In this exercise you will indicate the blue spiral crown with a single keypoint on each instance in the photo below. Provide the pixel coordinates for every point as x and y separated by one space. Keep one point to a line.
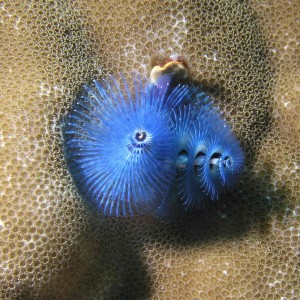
125 150
120 147
209 159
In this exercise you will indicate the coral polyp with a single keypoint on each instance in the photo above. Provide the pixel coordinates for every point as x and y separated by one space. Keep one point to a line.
120 146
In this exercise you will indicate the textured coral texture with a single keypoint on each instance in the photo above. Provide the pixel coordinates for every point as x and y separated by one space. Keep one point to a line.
54 246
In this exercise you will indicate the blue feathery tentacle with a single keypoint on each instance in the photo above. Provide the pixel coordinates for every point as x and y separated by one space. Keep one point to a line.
209 157
190 188
181 118
224 158
184 185
120 146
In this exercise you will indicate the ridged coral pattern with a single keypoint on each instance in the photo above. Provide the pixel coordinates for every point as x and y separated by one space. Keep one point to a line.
246 55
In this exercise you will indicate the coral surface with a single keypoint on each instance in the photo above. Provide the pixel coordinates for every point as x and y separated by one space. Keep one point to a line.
53 246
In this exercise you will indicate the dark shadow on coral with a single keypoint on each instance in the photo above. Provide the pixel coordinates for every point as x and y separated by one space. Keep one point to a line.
112 263
235 214
105 264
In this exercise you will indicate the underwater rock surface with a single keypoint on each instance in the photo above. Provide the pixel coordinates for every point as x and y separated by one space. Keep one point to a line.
246 55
